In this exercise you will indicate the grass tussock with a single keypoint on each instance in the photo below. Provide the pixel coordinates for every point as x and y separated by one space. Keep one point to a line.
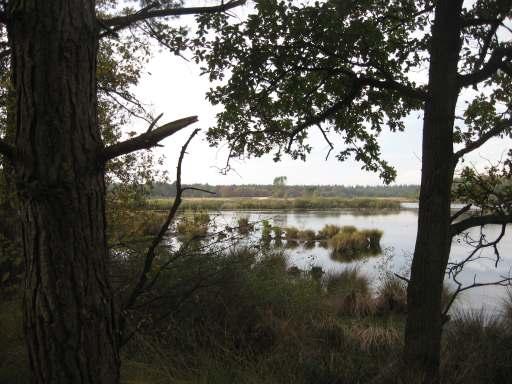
244 226
477 348
392 295
252 319
349 293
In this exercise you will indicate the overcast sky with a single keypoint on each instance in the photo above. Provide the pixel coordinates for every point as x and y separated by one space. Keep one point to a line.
174 86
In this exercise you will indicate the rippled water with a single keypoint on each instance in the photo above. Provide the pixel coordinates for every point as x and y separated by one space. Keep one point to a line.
397 243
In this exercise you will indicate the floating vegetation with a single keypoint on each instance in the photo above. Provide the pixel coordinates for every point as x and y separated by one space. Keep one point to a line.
328 231
193 226
291 233
292 244
347 242
351 244
296 234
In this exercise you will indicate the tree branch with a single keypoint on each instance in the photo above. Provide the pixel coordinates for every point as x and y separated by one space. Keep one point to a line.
475 22
121 22
494 63
7 150
460 212
151 253
329 142
197 189
472 145
146 140
326 113
478 221
487 43
394 85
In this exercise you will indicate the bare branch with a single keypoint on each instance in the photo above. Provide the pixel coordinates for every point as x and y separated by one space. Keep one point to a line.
499 128
197 189
153 123
403 278
329 142
478 221
151 253
460 212
146 140
503 282
113 94
120 22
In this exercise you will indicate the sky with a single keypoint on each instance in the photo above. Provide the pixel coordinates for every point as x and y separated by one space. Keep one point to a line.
173 86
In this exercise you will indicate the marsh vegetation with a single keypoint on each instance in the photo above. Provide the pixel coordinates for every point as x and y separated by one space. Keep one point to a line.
259 204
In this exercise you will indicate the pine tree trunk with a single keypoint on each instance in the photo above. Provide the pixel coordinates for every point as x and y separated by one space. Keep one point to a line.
70 319
433 242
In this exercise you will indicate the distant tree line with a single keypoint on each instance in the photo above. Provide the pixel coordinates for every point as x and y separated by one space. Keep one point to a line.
267 190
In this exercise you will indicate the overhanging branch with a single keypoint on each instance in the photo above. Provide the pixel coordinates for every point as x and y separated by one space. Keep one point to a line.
146 140
120 22
478 221
499 59
499 128
460 212
393 85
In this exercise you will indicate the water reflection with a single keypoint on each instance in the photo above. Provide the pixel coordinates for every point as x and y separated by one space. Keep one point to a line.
398 240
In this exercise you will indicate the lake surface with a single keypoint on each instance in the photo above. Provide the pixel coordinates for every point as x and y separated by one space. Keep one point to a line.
397 245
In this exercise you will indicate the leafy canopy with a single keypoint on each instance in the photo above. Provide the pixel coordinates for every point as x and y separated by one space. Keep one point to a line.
347 67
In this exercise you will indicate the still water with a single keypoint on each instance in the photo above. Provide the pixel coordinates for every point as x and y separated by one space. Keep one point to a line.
397 245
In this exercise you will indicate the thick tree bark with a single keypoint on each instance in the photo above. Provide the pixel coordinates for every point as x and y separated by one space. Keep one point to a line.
70 319
432 250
